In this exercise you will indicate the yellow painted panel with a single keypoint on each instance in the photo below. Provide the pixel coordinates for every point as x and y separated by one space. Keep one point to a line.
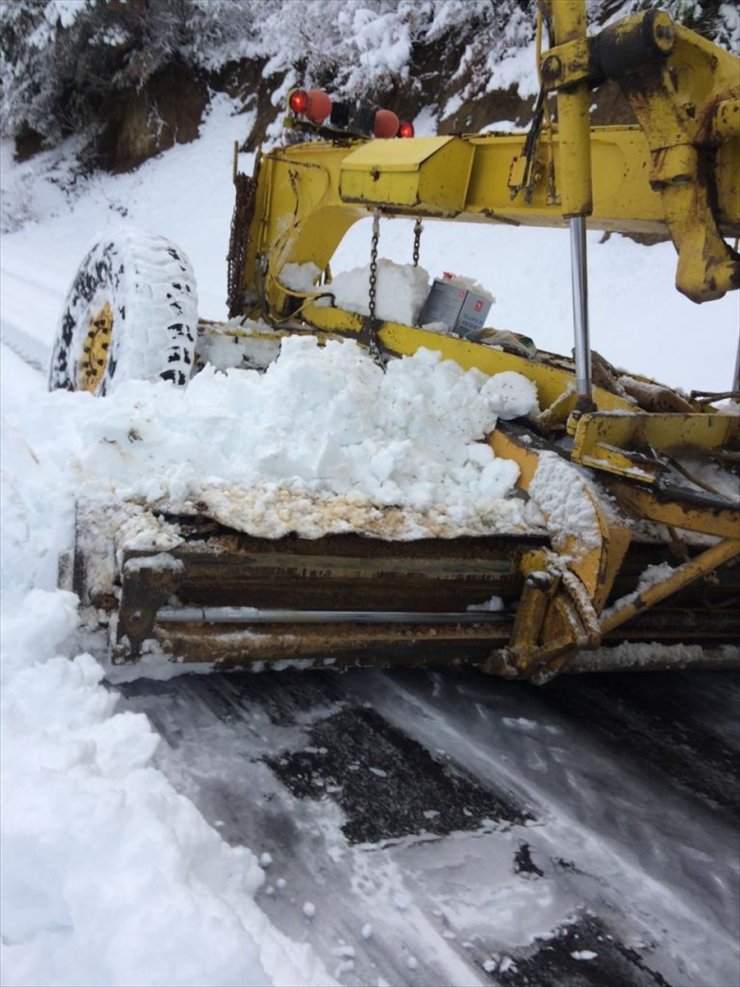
393 155
662 432
390 172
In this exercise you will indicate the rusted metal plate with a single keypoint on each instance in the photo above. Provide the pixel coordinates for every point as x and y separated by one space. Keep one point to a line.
345 572
331 644
230 647
384 603
215 567
680 625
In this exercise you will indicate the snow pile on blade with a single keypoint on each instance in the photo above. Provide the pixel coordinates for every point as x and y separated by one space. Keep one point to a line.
400 292
323 442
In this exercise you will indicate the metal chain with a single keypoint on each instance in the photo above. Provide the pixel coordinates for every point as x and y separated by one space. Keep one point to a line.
374 264
373 346
239 242
417 241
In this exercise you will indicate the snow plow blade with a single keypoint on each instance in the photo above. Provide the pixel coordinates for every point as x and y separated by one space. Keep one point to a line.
342 599
221 599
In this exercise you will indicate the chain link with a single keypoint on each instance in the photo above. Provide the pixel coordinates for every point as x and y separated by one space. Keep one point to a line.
417 241
239 242
374 265
373 346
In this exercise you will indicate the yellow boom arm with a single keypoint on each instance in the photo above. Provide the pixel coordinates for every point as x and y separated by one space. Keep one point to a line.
677 172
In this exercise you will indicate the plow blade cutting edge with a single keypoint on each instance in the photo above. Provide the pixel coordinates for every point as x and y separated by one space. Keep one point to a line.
508 604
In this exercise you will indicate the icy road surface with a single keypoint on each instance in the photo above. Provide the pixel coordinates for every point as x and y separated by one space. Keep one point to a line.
446 828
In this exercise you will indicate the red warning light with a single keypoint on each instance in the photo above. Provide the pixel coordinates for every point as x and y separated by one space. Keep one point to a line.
406 129
298 101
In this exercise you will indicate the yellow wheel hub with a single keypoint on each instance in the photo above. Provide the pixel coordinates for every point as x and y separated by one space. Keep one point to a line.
96 349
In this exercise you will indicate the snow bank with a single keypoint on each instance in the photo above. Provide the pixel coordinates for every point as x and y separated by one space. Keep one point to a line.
109 875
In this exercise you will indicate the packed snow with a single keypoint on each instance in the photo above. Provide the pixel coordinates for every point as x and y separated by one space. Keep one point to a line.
401 292
566 497
109 874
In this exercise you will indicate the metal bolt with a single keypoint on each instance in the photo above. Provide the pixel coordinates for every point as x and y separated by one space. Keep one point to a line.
552 69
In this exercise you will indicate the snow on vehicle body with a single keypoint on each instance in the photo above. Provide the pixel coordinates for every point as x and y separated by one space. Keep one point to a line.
580 483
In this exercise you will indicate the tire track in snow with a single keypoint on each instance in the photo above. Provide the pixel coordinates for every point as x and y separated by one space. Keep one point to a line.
619 821
38 284
32 351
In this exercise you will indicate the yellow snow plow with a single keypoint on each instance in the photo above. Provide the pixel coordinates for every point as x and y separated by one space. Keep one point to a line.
651 473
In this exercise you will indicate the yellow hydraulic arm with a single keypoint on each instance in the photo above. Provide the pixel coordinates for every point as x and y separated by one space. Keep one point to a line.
677 172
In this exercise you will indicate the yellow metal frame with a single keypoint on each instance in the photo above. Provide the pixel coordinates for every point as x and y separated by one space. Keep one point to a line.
685 93
609 441
701 565
301 214
564 591
719 521
677 172
574 168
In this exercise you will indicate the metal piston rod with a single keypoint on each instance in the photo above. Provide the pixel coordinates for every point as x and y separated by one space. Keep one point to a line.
250 615
569 23
579 280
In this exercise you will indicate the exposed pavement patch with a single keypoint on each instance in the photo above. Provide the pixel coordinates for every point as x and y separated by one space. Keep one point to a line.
580 954
388 785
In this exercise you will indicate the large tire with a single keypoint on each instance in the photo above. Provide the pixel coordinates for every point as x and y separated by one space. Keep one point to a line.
131 314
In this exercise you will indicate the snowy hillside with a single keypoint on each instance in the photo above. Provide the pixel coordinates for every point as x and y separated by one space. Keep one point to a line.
110 874
127 80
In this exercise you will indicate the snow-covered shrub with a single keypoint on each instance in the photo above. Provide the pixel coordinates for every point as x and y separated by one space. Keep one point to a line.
63 63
